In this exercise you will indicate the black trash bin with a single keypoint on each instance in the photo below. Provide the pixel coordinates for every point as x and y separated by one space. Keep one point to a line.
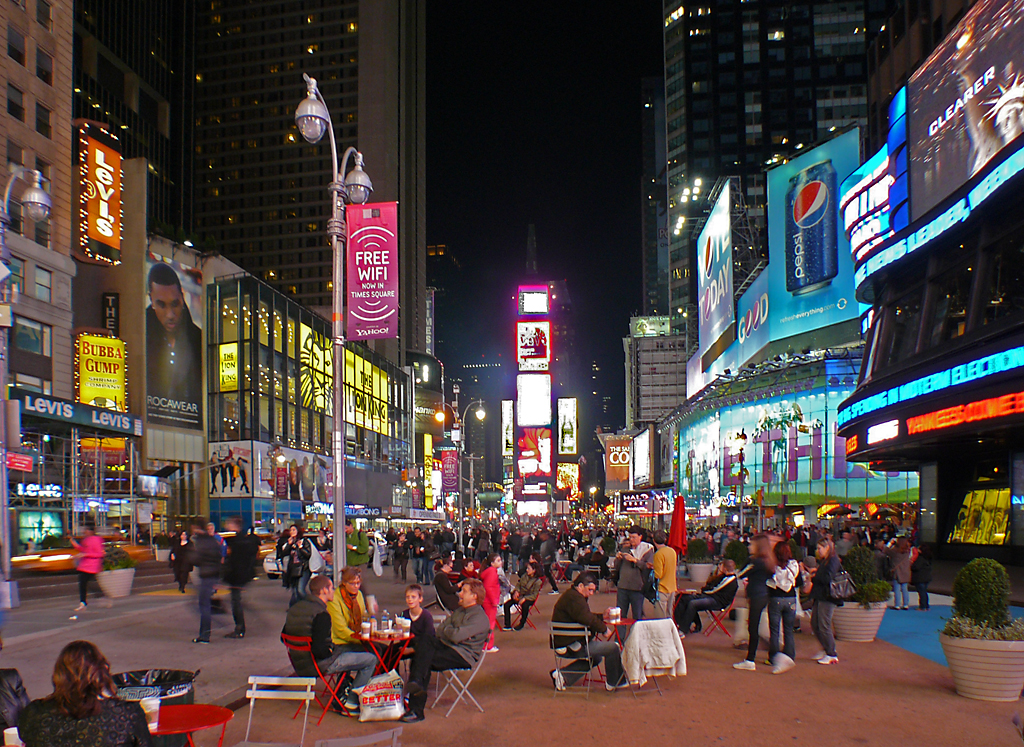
172 686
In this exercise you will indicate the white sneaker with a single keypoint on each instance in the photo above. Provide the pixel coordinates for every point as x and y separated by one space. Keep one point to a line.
819 656
554 591
492 650
80 607
826 660
782 664
745 665
557 679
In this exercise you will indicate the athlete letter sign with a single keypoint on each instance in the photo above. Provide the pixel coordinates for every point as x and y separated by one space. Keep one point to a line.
372 277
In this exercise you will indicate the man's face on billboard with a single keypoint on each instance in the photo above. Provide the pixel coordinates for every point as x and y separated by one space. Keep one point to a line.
168 304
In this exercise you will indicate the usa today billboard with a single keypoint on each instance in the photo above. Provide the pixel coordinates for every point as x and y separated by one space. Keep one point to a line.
714 280
810 270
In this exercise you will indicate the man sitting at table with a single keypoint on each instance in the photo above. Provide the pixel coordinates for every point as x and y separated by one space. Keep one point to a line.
717 594
310 617
459 643
572 607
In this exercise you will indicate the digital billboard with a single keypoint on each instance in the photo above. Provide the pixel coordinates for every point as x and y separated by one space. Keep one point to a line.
864 204
534 299
372 271
533 399
567 478
714 280
966 102
567 426
508 440
534 459
650 326
100 371
810 270
640 461
174 343
616 463
533 345
230 467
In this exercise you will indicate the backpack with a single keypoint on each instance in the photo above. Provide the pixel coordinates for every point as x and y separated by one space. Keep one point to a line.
650 590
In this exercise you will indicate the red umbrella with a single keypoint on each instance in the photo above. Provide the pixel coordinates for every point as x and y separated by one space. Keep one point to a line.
677 531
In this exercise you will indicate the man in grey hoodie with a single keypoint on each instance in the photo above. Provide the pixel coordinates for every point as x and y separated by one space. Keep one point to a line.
634 563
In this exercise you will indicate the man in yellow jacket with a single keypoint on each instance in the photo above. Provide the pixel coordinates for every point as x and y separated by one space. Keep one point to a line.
665 561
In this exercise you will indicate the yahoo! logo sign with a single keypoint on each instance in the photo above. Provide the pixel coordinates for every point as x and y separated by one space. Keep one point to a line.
756 316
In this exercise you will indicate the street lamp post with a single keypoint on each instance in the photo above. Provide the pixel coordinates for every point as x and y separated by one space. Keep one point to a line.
480 415
313 119
37 204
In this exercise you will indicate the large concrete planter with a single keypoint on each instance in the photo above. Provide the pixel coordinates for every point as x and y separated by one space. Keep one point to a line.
163 555
852 622
115 584
985 670
699 572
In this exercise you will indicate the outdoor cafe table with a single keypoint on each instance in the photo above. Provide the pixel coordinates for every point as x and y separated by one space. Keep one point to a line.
387 649
618 625
185 719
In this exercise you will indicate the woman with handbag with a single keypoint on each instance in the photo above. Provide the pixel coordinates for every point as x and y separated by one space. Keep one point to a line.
823 604
298 551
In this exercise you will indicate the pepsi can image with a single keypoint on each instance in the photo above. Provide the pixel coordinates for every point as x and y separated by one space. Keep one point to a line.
812 254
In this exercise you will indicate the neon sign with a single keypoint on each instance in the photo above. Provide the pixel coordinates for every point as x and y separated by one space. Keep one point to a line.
1008 360
883 431
864 204
986 409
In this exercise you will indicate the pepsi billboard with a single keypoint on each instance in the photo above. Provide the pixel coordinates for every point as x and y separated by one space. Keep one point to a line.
810 269
714 281
966 102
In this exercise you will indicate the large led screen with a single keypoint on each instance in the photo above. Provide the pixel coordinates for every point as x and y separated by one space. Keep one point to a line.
567 426
640 464
567 478
507 428
714 279
533 345
966 101
810 270
534 460
533 399
533 299
616 463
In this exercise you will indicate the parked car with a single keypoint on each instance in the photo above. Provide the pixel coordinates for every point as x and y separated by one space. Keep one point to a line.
62 558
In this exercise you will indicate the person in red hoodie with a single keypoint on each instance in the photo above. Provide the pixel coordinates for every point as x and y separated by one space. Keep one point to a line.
90 562
492 588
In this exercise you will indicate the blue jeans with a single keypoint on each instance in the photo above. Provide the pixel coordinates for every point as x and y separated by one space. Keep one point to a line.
428 571
626 598
299 586
206 586
897 590
420 565
922 596
350 658
781 613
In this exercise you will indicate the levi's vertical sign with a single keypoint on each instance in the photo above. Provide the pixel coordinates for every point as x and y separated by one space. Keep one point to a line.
372 271
100 202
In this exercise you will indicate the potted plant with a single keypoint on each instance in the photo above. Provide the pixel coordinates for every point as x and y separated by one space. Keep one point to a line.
858 619
699 563
118 573
163 547
737 552
984 646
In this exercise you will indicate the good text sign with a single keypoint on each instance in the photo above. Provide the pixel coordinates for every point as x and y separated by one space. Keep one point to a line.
372 275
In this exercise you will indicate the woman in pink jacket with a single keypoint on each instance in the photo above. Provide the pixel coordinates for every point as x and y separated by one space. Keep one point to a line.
90 562
489 578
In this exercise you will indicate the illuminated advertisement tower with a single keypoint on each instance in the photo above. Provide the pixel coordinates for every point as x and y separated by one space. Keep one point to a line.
534 450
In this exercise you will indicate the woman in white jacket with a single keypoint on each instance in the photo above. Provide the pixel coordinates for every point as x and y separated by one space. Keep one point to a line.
783 587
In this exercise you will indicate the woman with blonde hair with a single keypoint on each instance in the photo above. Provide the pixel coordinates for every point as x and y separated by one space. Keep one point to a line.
82 711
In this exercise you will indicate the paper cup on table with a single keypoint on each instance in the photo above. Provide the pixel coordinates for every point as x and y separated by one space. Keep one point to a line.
11 737
151 707
366 628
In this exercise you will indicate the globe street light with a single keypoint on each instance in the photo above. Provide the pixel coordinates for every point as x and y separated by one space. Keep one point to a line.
313 118
36 203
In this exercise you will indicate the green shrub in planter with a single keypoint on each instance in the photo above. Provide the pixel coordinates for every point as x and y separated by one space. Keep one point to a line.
697 552
163 541
738 553
53 542
860 564
981 593
115 559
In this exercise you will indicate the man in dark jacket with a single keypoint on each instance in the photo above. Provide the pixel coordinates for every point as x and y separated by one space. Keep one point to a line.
458 645
242 552
548 556
309 617
717 594
207 560
515 544
572 607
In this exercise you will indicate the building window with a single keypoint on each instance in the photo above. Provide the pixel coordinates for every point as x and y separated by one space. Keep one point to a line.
44 284
33 383
15 45
32 336
1001 293
44 15
17 267
43 120
44 67
15 103
15 153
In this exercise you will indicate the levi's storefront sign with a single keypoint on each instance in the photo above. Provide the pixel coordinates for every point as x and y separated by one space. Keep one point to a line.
99 159
372 271
76 413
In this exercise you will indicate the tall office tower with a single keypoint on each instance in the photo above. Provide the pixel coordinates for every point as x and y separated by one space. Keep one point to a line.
261 189
748 85
654 199
655 370
134 72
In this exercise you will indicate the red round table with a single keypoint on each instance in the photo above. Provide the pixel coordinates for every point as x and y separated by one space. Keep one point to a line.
624 622
185 719
389 650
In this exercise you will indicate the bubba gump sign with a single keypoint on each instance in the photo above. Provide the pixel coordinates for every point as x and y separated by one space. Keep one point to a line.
100 371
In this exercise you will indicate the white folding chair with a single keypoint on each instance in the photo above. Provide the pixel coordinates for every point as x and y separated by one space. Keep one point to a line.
389 737
454 681
277 688
576 638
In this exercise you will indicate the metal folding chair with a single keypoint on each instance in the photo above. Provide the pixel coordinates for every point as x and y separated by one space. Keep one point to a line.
572 634
277 688
718 619
389 737
519 614
460 688
596 570
332 682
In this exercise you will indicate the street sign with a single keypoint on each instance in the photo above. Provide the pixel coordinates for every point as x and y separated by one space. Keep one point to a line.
20 462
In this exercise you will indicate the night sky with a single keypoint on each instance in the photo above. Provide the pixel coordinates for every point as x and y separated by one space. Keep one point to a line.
533 116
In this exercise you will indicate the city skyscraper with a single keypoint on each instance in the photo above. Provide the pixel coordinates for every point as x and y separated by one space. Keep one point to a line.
747 85
653 199
261 189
